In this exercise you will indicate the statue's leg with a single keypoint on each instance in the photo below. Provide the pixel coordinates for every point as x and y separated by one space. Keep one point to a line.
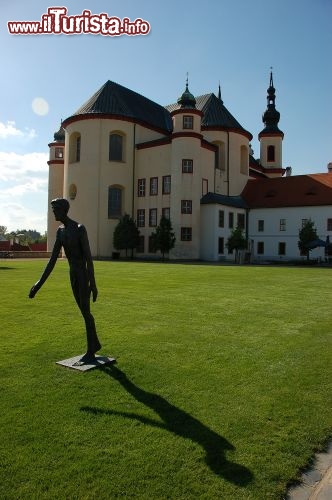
79 283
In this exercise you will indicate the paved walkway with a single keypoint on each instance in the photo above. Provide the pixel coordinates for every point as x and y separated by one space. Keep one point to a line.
316 483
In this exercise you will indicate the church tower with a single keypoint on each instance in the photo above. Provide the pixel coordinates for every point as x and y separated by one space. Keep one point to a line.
271 136
55 181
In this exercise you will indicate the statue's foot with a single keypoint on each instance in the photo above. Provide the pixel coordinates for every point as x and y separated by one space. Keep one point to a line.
87 359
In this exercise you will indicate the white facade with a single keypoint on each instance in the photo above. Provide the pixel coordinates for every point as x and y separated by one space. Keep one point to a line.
275 232
165 167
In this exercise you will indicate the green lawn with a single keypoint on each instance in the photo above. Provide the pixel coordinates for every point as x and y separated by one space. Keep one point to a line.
222 387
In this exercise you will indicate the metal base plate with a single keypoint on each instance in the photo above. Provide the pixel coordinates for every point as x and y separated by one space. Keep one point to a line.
99 361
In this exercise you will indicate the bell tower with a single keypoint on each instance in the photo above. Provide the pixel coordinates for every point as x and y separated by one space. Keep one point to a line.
55 180
271 136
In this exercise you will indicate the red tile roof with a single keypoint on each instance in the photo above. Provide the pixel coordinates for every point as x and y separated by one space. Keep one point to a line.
293 191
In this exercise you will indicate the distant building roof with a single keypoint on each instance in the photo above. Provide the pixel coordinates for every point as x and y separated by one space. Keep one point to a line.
4 245
293 191
220 199
113 99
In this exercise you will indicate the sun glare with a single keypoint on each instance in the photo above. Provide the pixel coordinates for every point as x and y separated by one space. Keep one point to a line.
40 106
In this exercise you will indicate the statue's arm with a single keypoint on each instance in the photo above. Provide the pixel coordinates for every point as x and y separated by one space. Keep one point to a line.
89 262
48 269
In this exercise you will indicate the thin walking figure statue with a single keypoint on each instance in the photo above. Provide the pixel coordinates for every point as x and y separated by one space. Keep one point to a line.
73 237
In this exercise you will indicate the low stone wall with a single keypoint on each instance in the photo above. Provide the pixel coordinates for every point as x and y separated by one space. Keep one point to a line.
30 255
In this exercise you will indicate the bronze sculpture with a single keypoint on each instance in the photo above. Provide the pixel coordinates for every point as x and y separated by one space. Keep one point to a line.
73 238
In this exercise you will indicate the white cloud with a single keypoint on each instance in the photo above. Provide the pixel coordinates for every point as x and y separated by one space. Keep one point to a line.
18 216
9 130
34 186
14 166
23 190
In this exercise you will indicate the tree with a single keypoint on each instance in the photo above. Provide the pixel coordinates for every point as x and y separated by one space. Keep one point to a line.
3 230
163 238
307 234
26 236
236 241
126 235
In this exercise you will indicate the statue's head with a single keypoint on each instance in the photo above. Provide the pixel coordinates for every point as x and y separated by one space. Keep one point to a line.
60 207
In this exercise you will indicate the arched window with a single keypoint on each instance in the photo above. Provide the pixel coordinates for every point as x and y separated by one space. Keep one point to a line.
116 147
270 153
244 160
75 147
115 200
220 155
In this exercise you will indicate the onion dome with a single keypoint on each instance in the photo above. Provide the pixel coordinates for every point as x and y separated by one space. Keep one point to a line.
59 136
187 100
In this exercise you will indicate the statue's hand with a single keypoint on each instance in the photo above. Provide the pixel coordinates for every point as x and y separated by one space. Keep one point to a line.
34 290
94 293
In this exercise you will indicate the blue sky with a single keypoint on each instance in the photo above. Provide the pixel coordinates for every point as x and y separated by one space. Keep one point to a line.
234 42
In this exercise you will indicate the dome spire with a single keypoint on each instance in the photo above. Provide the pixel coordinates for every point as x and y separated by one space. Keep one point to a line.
219 93
271 116
187 100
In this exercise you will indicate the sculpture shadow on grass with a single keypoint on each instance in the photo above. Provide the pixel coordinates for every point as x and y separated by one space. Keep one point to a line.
181 424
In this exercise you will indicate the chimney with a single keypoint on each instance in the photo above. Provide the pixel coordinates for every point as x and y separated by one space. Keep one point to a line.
288 171
329 167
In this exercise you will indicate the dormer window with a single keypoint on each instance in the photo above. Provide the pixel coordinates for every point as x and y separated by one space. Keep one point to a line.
188 122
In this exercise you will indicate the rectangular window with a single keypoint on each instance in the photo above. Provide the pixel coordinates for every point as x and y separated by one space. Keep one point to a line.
152 217
166 184
153 186
188 122
240 220
260 247
141 218
282 225
141 244
231 220
187 166
304 221
260 226
221 218
281 248
166 212
186 206
220 245
141 187
59 153
329 225
186 233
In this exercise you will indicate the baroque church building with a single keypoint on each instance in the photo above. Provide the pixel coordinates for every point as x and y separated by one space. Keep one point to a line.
191 161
